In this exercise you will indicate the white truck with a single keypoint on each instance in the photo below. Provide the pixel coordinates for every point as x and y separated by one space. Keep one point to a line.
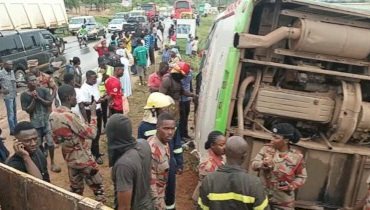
21 14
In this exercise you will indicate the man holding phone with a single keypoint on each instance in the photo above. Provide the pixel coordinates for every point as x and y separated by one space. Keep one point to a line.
27 156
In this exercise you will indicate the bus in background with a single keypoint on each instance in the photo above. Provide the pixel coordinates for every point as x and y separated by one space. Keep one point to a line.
151 11
181 6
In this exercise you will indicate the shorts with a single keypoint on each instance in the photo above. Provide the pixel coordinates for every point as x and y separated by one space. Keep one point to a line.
140 70
44 134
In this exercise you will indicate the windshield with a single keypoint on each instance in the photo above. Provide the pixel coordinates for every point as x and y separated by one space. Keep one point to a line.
182 5
147 7
115 21
136 19
77 21
131 19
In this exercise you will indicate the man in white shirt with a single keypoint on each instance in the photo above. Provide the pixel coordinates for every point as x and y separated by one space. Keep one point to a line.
88 93
194 46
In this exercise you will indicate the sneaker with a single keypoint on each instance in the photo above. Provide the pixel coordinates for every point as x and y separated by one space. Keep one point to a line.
55 168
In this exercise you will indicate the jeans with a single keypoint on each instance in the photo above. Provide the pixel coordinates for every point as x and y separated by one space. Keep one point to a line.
11 109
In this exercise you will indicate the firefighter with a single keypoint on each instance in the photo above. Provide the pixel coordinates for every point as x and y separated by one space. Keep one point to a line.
230 186
281 167
166 126
156 104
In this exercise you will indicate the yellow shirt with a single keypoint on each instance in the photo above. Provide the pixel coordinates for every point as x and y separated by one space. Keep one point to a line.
109 72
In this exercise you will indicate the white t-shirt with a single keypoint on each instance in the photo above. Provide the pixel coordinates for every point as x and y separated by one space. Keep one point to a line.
76 109
87 91
194 45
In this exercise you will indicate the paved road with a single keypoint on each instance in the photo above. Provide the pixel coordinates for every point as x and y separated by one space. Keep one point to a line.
87 55
88 58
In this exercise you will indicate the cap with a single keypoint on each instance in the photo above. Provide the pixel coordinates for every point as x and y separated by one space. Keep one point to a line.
181 67
32 63
288 131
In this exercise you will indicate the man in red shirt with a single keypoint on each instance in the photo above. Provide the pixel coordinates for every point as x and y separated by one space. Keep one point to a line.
155 79
114 89
101 47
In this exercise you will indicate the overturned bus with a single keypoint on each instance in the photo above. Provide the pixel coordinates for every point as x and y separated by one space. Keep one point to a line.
297 61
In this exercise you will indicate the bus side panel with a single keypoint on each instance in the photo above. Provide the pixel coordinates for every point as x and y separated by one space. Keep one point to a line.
242 20
213 74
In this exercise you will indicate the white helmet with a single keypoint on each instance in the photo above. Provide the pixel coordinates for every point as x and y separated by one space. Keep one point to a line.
158 100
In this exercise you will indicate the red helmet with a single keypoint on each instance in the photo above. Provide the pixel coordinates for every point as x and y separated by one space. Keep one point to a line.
184 67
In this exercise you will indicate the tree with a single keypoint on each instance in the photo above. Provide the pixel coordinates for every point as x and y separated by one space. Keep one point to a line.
72 4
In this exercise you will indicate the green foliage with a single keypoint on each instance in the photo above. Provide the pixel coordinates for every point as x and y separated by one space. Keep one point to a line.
72 3
202 33
102 19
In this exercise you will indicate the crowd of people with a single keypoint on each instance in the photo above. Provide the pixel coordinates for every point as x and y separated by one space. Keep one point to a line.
76 110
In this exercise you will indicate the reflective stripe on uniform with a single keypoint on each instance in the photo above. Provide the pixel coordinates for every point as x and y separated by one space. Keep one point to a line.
231 196
201 205
178 150
263 205
150 132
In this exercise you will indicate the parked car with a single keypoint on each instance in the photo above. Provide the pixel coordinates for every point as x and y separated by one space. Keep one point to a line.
20 46
76 23
94 28
121 15
133 13
141 20
116 25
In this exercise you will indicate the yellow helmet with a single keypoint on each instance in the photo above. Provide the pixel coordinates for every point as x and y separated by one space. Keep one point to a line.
158 100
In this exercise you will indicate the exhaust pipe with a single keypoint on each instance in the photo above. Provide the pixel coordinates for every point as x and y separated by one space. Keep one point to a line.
245 40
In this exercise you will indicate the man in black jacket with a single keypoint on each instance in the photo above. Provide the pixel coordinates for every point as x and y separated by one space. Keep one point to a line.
231 187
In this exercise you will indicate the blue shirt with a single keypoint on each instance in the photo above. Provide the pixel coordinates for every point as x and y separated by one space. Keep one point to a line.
149 41
166 56
186 85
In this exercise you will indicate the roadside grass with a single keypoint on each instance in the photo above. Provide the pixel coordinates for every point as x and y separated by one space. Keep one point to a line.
202 32
104 20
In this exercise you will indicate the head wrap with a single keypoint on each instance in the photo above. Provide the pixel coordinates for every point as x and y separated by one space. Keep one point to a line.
119 135
288 131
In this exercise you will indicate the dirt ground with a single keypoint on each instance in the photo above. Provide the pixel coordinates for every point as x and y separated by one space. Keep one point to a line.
185 183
